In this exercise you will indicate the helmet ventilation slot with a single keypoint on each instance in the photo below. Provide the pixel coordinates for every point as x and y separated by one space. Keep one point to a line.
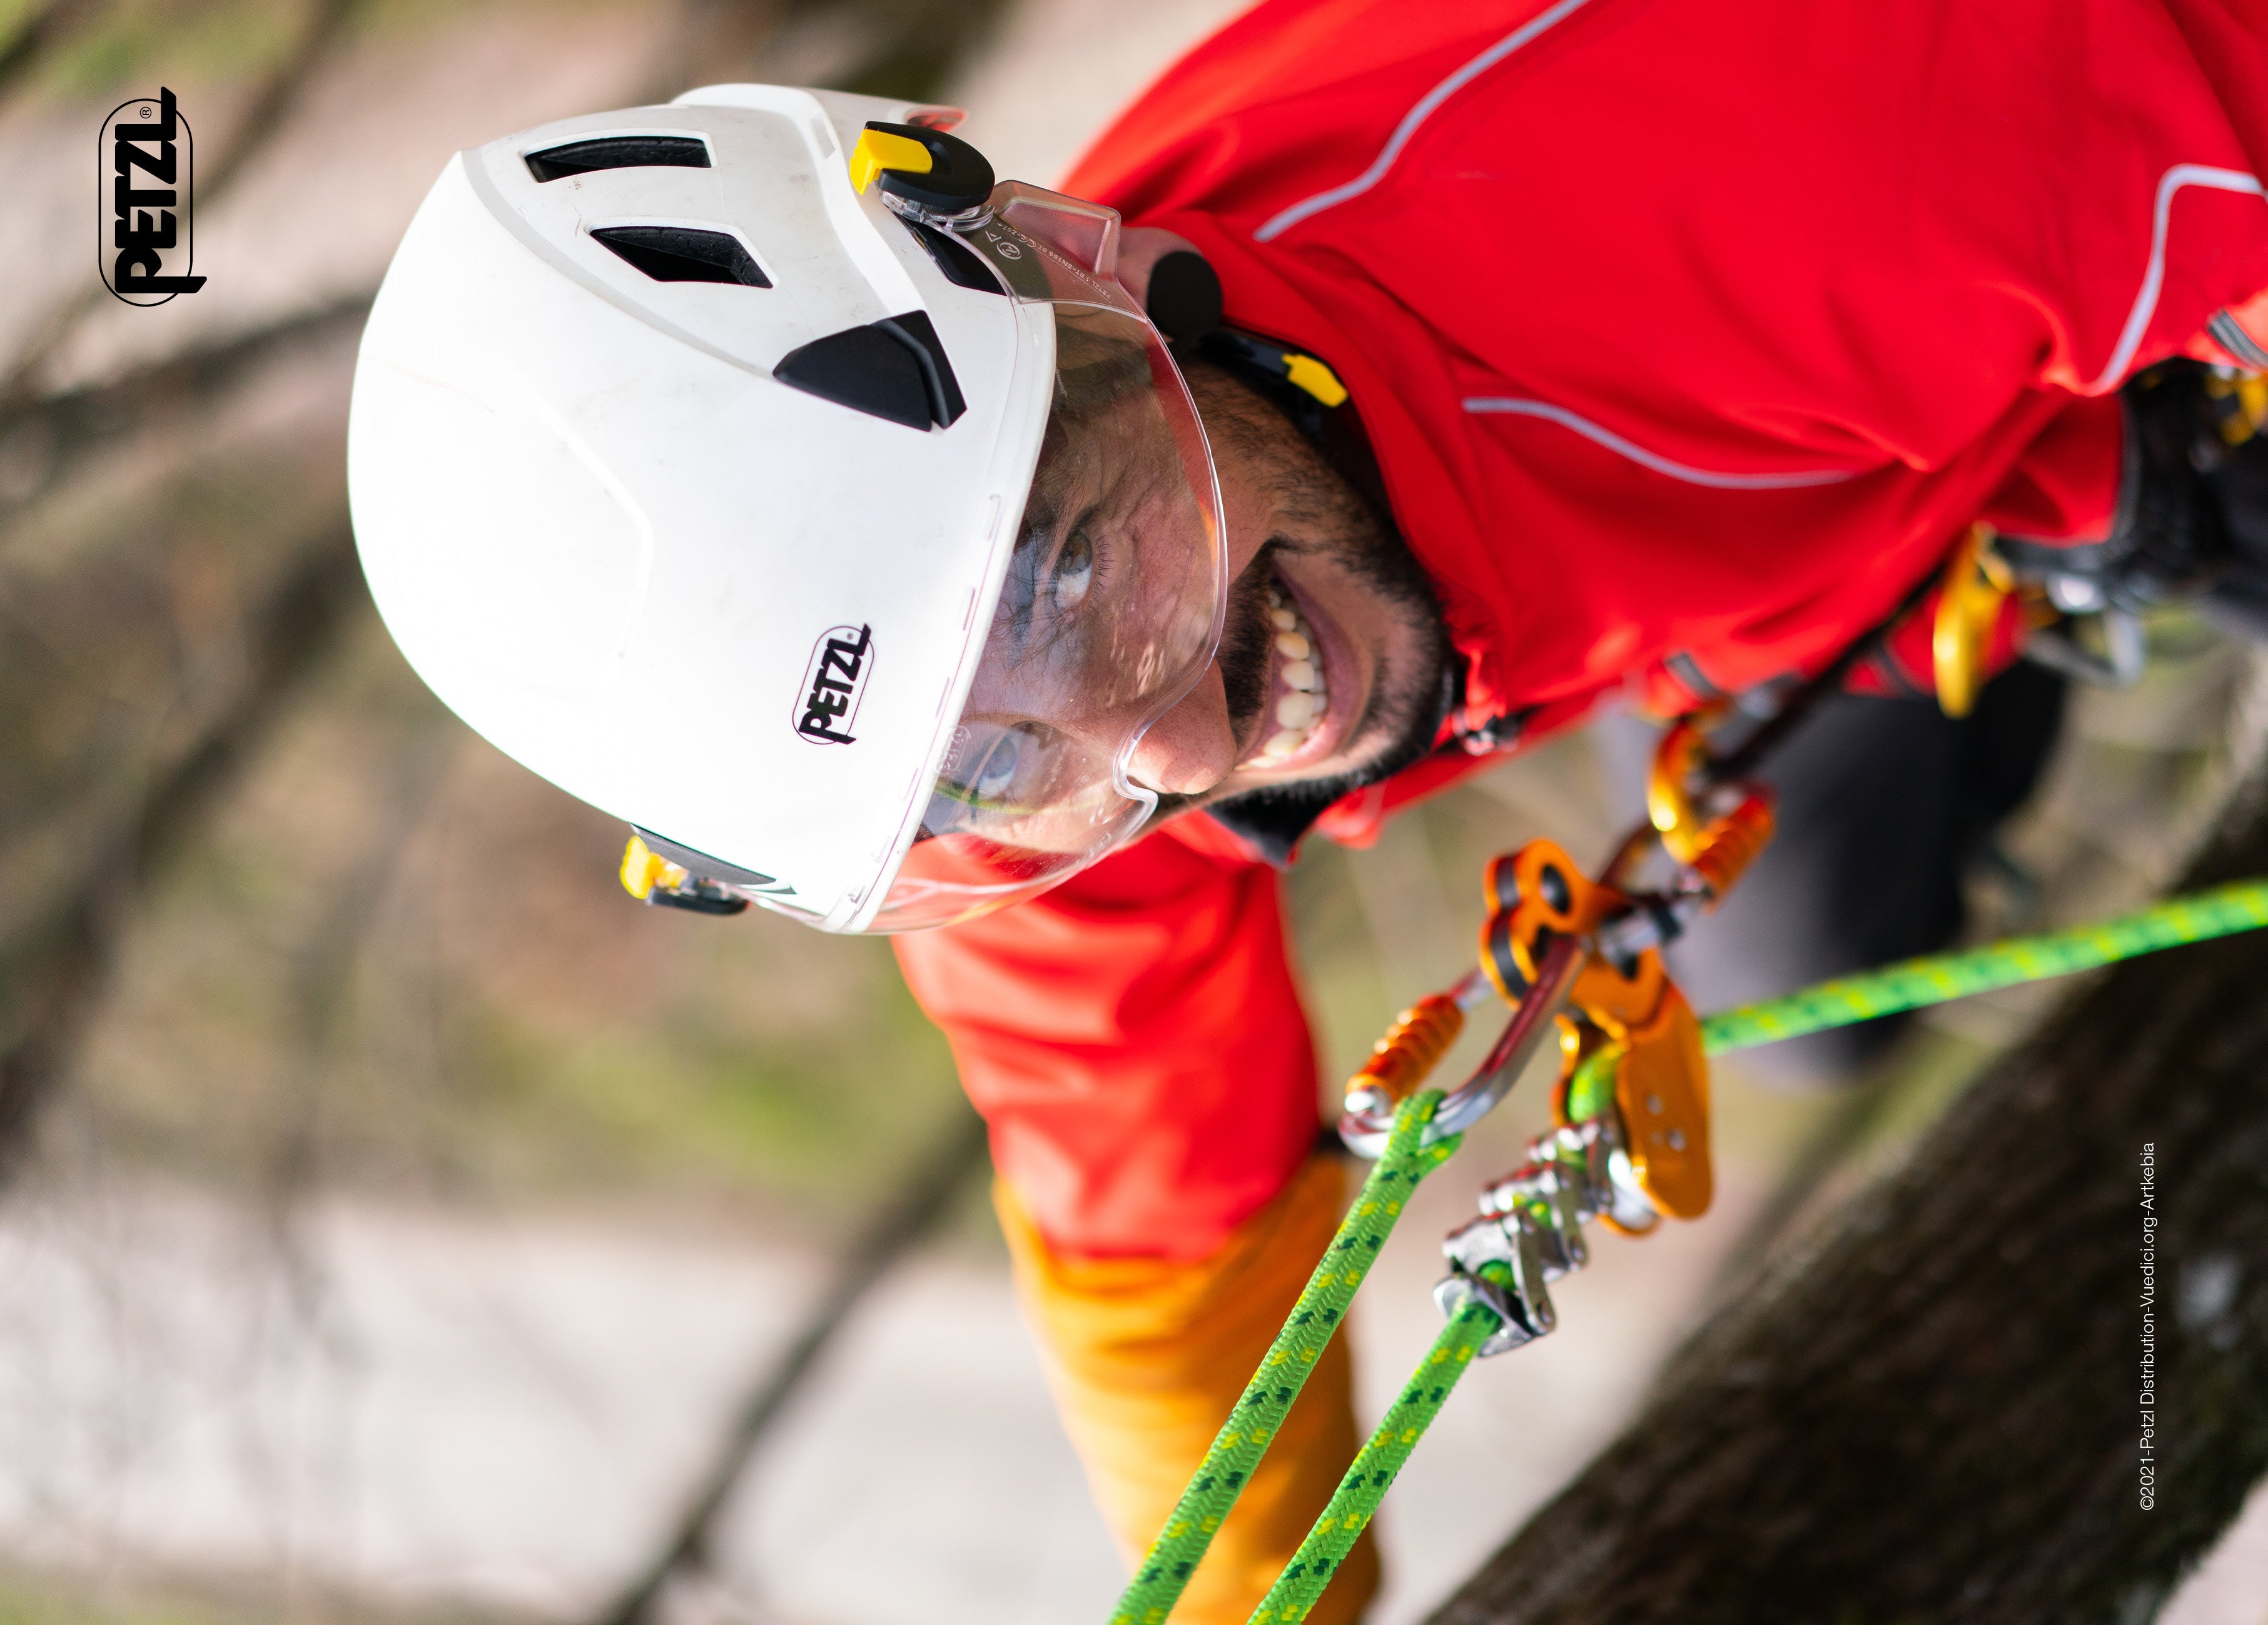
681 254
894 369
963 266
581 158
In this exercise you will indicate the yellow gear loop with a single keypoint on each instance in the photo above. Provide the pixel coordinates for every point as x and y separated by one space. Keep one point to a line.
2241 400
1976 583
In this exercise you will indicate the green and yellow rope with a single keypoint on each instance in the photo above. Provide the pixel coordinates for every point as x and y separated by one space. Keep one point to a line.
1938 978
1375 1467
1267 1400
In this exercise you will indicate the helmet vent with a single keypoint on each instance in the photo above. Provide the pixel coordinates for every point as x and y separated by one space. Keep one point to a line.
681 254
962 266
894 369
581 158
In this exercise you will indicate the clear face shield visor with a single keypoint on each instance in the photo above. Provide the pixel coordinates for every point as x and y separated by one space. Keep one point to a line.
1114 598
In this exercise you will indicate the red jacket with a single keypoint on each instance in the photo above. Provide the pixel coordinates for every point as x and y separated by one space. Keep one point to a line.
1689 337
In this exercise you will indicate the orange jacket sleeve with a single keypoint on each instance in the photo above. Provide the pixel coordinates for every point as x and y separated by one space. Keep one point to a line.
1148 1357
1134 1039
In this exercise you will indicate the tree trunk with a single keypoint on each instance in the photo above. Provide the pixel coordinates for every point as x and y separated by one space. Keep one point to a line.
1942 1413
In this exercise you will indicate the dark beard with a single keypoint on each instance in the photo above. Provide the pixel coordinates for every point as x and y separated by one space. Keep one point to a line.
1400 724
1326 517
1406 708
1247 638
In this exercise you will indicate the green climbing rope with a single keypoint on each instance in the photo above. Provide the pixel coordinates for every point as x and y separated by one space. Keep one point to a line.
1245 1437
1375 1466
1936 978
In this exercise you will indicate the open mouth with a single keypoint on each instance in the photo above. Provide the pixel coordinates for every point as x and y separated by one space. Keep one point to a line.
1299 725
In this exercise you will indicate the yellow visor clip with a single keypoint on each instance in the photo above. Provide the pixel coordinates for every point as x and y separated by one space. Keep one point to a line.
878 149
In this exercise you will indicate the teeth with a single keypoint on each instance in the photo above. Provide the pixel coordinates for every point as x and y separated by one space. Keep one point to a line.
1300 697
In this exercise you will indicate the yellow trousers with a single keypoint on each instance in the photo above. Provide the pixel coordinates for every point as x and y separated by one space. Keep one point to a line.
1147 1356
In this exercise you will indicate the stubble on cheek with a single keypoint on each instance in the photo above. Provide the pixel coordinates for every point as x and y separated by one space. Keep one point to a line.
1247 635
1315 517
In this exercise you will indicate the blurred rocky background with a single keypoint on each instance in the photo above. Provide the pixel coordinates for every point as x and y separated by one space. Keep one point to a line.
397 1223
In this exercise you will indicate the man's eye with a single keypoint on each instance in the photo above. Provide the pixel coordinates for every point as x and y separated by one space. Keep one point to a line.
1074 571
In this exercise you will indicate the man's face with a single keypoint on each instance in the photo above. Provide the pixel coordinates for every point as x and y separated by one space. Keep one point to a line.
1329 673
1331 661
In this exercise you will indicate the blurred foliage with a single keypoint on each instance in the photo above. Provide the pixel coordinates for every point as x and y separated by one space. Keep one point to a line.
101 47
120 617
26 1600
20 1604
904 49
403 963
17 18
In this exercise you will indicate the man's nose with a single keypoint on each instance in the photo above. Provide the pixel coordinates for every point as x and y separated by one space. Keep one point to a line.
1191 747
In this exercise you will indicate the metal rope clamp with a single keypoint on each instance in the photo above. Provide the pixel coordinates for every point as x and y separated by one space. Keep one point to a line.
1582 957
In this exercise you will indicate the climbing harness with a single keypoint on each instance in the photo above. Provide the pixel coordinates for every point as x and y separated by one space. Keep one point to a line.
2183 423
1628 1145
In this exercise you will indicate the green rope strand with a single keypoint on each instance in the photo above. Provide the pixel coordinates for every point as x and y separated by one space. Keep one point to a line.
1245 1437
1375 1466
1937 978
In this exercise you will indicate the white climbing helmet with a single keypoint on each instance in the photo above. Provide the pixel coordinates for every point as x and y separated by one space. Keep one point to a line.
843 538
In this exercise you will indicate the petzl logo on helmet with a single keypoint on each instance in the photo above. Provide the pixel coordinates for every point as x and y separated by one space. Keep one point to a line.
833 683
144 166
